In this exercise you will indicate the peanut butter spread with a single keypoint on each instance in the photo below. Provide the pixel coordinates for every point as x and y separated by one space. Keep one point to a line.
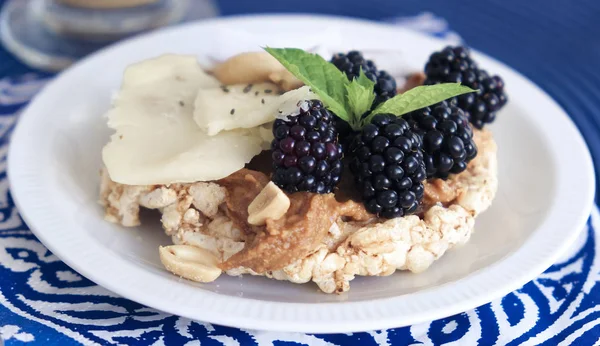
438 191
242 187
283 241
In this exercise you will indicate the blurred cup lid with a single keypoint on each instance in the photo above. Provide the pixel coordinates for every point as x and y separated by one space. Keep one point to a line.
106 4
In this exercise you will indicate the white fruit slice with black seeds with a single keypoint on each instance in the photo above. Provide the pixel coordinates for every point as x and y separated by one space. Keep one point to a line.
244 106
157 140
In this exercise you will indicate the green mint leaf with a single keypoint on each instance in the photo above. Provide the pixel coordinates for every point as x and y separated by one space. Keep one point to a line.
322 77
419 97
360 97
364 81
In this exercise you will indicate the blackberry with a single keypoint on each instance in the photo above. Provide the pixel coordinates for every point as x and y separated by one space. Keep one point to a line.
351 64
388 166
455 65
447 138
305 152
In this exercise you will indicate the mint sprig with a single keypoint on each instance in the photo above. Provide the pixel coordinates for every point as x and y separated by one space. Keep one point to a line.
417 98
323 78
350 100
360 97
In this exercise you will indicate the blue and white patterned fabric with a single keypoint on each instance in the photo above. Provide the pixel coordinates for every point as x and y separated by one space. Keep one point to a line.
44 302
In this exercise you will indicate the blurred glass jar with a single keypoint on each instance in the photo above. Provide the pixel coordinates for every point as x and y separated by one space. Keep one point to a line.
52 34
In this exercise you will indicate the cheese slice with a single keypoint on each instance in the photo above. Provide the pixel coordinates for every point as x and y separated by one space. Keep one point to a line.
245 106
157 140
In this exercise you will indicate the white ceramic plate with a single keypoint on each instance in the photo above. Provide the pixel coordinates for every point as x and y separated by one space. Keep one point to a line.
546 190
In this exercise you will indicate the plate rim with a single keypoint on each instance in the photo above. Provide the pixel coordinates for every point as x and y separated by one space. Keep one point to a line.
283 314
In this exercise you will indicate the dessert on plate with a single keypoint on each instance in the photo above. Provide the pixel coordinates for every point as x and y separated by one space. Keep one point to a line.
285 165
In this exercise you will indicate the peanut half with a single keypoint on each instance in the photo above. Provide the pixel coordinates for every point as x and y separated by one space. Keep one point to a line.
270 203
255 67
190 262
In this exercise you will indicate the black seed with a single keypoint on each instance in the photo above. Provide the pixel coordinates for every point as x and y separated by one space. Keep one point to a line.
297 132
278 157
406 199
307 184
404 184
369 132
281 132
381 120
433 140
332 152
420 174
403 143
394 172
410 164
418 190
372 206
322 169
448 127
387 199
456 148
336 168
393 213
376 163
287 145
308 121
392 131
364 170
302 148
458 167
381 182
393 155
335 179
294 175
379 144
363 153
318 151
313 136
307 164
322 127
443 162
290 161
368 190
320 187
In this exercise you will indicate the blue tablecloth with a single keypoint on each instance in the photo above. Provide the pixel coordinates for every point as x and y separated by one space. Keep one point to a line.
44 302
